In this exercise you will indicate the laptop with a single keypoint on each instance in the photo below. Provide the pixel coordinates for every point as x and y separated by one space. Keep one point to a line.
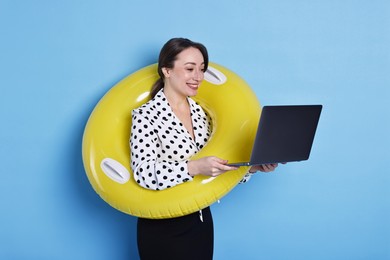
284 134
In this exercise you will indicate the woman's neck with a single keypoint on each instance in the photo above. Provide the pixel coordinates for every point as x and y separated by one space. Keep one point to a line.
175 100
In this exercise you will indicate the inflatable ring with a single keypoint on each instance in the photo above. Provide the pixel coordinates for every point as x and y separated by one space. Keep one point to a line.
234 110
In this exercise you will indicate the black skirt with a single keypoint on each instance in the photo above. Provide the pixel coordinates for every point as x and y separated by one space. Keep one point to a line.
179 238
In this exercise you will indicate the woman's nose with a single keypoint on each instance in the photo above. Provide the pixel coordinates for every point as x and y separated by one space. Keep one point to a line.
198 75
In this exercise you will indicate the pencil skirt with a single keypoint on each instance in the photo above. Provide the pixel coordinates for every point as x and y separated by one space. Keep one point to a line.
185 237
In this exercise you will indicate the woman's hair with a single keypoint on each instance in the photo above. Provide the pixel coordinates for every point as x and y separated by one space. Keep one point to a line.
168 56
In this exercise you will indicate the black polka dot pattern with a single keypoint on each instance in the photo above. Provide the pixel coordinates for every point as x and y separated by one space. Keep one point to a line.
246 178
161 146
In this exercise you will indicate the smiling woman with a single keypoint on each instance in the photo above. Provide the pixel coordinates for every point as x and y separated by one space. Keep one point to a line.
233 109
174 142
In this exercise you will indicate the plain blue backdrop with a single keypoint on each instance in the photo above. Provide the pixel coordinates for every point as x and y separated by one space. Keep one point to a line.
58 58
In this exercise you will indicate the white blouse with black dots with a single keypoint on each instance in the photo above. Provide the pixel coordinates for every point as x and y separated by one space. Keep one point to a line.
161 146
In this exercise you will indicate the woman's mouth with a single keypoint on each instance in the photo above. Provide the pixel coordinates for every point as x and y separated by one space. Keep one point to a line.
193 86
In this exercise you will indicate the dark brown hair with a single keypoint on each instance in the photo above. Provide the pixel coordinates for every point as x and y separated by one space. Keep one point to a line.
168 56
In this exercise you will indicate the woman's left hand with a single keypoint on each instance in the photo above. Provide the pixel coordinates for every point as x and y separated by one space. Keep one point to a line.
263 168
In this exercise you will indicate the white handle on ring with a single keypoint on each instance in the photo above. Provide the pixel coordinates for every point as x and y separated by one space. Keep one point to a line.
214 76
115 170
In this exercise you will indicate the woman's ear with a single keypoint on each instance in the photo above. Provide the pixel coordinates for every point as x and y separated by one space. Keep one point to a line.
166 72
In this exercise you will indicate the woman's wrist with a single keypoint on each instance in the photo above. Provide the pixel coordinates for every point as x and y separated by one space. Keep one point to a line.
191 168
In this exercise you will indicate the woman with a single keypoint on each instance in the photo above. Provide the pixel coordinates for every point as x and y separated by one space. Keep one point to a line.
166 132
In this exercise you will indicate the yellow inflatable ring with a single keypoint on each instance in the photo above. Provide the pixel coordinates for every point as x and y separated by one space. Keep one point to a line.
234 110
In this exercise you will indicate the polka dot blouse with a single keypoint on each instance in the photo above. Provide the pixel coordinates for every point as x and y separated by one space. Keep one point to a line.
161 146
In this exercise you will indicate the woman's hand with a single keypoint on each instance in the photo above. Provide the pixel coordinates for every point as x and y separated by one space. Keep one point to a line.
263 168
209 166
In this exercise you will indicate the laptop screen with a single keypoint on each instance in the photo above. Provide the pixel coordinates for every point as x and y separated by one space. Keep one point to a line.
285 133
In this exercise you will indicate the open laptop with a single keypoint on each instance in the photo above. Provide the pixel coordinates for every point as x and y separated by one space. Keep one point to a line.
284 134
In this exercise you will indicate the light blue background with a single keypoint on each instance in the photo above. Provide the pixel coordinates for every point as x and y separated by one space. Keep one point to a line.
58 58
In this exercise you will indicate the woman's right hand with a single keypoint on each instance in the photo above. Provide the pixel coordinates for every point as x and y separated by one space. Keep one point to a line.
209 166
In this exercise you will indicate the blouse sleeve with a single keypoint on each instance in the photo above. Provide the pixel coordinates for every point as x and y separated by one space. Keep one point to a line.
149 171
246 178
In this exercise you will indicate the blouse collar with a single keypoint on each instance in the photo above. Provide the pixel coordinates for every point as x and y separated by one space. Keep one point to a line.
164 110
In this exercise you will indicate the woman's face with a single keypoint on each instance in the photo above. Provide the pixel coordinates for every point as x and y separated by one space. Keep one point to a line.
187 73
